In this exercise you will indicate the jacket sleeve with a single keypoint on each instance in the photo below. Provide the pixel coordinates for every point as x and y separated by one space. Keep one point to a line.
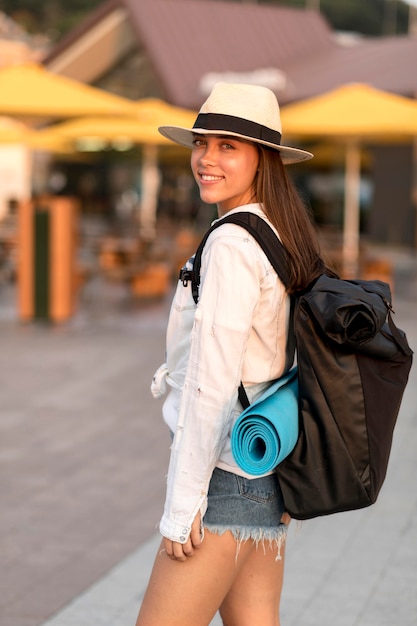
231 273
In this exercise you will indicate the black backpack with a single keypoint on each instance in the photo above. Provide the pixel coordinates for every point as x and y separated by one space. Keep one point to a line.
353 367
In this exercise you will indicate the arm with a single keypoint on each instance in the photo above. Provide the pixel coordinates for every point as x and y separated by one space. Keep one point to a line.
232 270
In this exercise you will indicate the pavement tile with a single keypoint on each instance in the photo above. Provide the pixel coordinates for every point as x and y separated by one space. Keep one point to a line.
72 442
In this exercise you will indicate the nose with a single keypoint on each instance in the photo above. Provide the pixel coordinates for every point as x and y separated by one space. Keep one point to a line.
206 156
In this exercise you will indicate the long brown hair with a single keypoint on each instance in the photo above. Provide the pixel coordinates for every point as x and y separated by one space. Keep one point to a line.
286 210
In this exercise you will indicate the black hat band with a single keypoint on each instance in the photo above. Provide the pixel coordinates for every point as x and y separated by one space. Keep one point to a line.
232 124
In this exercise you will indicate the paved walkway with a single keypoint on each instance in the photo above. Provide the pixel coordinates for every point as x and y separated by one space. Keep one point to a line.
82 465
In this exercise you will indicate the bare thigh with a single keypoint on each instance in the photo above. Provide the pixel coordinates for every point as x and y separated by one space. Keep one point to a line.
189 593
255 595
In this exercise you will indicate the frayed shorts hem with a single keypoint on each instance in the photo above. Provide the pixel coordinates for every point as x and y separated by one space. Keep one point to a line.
256 534
266 537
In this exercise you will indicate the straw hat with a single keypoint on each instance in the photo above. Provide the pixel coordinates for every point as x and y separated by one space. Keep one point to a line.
249 112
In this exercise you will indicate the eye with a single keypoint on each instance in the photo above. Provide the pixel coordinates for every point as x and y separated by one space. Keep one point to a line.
227 145
198 142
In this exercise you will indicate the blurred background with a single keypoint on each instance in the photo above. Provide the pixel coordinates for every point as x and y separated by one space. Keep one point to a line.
91 194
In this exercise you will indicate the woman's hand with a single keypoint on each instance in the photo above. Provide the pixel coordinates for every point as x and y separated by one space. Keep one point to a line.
181 551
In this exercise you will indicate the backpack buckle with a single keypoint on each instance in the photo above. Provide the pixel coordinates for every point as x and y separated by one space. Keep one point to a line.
186 276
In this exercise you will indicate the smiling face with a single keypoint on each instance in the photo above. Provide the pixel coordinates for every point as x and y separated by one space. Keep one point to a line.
225 169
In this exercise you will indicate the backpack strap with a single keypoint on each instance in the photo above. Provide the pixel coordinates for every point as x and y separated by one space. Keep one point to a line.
278 257
261 232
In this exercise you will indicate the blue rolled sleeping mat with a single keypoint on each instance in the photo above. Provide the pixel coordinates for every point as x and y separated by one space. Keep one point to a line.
266 432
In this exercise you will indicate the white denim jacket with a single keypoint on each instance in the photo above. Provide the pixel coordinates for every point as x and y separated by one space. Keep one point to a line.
237 332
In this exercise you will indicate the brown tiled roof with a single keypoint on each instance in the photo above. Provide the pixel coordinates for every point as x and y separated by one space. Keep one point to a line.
387 63
186 39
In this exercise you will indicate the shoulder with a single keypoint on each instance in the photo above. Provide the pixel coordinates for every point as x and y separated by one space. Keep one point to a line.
232 246
231 235
251 215
231 239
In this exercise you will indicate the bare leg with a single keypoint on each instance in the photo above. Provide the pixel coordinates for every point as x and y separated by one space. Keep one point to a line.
255 595
189 593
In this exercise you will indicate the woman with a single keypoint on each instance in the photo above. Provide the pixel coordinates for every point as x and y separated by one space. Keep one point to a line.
223 530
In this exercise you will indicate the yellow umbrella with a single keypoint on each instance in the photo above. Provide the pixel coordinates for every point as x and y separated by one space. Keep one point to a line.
122 132
98 133
12 131
354 110
352 114
157 113
31 91
141 127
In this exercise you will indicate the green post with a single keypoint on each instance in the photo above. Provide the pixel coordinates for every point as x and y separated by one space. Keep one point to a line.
41 264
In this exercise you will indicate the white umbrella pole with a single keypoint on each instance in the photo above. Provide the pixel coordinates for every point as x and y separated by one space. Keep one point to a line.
149 196
414 187
351 212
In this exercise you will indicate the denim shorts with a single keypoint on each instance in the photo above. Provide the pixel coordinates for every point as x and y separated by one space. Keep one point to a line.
249 508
